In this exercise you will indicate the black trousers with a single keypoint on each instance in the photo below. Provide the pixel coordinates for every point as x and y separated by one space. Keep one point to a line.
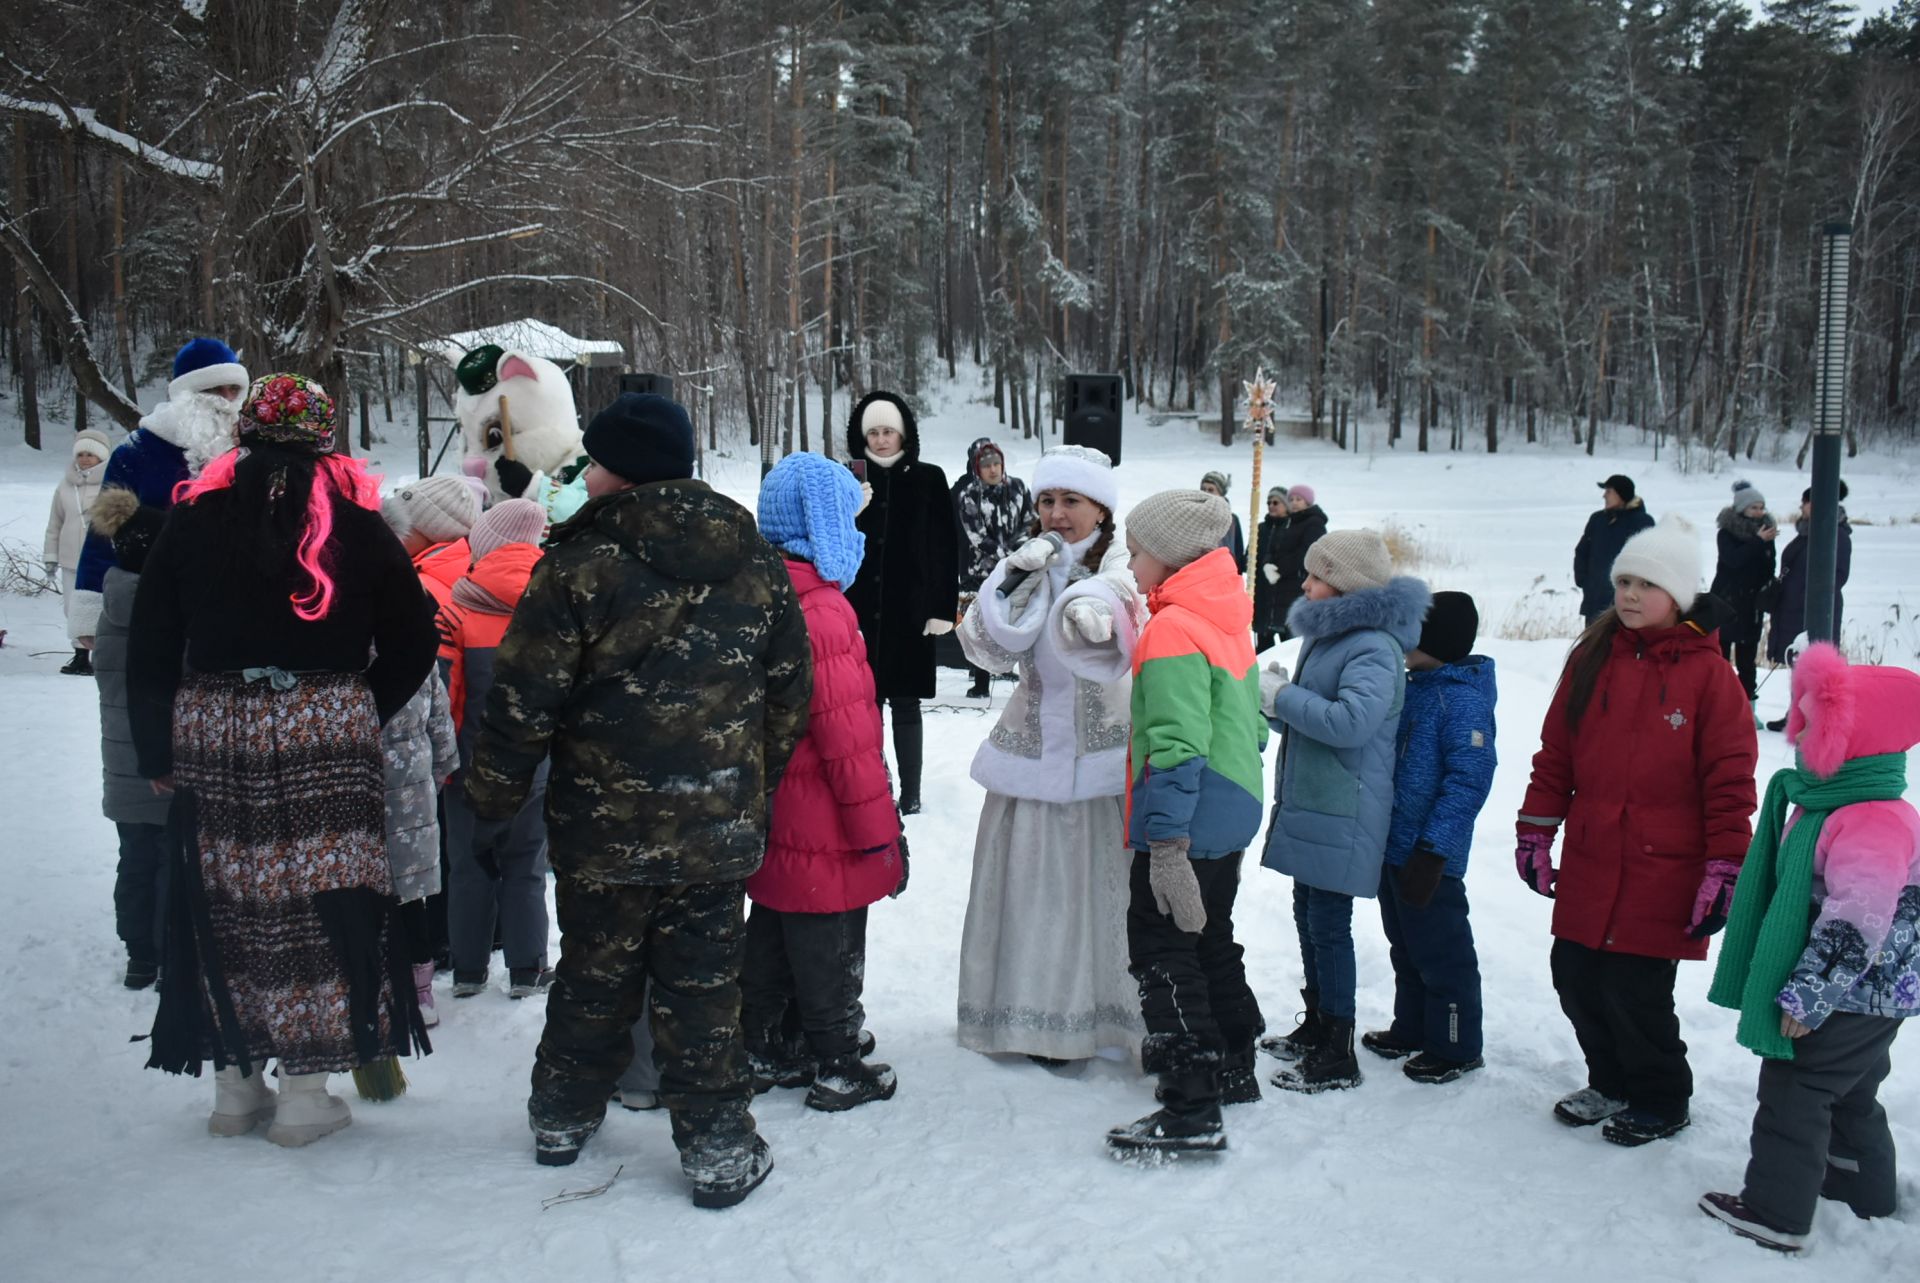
1745 658
1194 996
1621 1006
1820 1123
804 971
140 890
689 941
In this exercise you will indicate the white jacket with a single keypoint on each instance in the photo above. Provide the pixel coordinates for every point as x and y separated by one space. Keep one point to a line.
67 523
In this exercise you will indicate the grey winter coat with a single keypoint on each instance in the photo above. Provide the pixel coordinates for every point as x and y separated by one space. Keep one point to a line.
1338 717
419 751
126 797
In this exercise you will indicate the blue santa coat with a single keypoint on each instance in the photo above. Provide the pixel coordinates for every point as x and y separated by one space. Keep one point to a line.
1443 762
151 467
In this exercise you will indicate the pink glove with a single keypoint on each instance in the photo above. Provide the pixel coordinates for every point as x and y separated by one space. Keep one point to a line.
1534 859
1713 899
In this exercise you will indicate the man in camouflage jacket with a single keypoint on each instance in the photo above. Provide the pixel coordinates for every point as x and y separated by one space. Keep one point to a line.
660 656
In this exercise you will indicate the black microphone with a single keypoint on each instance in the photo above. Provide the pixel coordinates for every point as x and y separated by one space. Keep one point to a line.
1014 578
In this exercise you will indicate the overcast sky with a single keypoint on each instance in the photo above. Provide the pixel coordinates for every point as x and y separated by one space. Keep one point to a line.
1862 8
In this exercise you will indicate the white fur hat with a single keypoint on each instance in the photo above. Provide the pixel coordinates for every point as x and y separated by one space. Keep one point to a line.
1081 469
1667 556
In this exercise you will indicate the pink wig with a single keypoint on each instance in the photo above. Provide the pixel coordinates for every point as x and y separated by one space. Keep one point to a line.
332 474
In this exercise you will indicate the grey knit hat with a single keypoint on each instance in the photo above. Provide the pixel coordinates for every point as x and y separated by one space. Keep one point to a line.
1220 479
1745 495
1277 492
1350 560
1178 527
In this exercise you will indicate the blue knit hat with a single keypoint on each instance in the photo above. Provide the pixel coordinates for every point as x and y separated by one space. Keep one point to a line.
807 507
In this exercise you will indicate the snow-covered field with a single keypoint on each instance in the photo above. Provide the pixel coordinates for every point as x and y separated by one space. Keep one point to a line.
978 1168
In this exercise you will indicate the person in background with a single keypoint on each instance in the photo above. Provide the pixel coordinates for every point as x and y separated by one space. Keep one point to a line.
1822 953
1334 779
995 512
276 626
908 590
1043 963
417 755
174 441
1646 758
138 812
67 531
1745 564
1235 540
1283 563
1621 516
1790 612
432 517
496 873
1445 760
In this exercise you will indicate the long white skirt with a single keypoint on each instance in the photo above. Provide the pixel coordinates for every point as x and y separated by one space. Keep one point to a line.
1043 959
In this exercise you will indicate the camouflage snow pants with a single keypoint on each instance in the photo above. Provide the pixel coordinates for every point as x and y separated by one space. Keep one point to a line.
689 940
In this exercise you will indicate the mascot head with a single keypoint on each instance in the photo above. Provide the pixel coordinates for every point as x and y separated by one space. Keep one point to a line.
545 428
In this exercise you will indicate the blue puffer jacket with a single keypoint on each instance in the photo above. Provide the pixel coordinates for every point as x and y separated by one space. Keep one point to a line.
1339 714
150 466
1443 762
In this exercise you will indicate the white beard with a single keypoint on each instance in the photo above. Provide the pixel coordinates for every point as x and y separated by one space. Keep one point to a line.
201 423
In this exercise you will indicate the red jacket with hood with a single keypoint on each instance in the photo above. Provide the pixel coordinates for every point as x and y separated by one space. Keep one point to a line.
1657 781
833 841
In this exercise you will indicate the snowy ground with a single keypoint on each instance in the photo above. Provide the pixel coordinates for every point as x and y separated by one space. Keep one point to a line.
977 1168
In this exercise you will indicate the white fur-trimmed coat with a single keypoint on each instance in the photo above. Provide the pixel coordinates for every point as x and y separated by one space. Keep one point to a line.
1063 735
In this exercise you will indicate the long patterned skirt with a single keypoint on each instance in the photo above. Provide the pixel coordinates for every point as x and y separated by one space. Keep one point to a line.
286 929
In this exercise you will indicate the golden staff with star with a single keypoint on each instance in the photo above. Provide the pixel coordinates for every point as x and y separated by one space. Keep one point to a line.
1260 419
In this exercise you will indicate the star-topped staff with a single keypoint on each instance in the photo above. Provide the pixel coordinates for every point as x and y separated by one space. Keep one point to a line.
1260 420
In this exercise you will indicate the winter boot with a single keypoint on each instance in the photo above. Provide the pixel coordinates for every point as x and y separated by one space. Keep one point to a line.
980 688
1388 1045
847 1082
907 741
1239 1084
1777 724
240 1101
525 982
867 1043
141 973
1635 1127
725 1168
559 1146
1429 1069
81 665
775 1058
1306 1035
305 1111
1188 1120
423 993
1329 1066
1730 1211
1586 1107
466 984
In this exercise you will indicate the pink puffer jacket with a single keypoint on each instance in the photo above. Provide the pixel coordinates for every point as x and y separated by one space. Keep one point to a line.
833 842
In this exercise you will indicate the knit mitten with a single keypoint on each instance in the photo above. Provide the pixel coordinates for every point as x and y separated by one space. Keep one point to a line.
1176 891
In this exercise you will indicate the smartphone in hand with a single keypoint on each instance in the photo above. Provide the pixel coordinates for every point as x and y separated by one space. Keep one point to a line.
859 469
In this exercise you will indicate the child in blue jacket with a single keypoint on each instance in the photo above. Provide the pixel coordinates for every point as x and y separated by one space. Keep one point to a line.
1444 767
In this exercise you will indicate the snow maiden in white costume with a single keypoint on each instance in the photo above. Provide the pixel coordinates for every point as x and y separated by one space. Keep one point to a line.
1043 960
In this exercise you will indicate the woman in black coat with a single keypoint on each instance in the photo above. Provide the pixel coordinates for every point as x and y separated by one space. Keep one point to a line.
1790 617
908 589
1746 564
1283 563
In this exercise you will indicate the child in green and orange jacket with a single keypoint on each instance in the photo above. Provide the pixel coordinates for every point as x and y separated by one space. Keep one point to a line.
1194 802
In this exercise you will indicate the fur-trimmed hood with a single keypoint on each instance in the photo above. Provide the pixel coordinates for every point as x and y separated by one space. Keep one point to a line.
1741 525
909 432
1842 711
1398 609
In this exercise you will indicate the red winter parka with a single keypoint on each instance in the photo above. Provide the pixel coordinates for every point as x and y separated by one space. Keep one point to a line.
1657 781
834 806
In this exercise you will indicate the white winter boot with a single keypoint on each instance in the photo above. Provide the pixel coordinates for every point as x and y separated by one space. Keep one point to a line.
240 1101
305 1111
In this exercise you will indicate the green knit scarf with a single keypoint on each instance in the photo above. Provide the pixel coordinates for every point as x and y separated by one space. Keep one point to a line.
1767 928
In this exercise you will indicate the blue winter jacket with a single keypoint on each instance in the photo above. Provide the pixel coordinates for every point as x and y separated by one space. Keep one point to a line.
1338 716
1443 762
150 466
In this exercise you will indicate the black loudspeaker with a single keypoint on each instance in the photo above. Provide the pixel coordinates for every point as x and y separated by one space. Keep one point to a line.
659 384
1093 412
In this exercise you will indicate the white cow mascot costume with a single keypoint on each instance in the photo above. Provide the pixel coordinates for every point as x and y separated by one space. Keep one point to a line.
521 435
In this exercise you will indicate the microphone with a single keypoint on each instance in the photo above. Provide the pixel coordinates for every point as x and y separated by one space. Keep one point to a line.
1014 578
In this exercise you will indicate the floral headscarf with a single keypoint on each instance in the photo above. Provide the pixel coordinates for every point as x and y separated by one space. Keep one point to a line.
288 409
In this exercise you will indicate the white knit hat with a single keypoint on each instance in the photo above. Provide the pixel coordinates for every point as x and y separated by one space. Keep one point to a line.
1350 560
1667 556
441 508
1081 469
1178 527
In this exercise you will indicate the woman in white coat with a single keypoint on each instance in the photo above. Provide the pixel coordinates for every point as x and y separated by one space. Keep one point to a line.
67 530
1043 959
